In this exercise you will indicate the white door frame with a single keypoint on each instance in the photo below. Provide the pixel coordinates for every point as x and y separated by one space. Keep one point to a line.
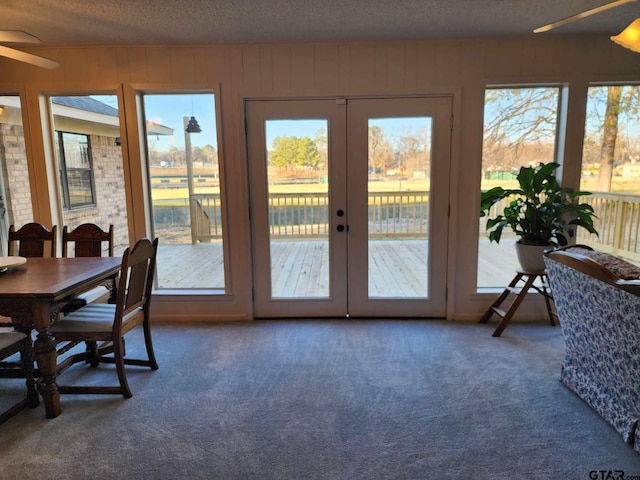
346 116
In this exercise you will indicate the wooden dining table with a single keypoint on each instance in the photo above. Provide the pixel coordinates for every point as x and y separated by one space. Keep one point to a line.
32 293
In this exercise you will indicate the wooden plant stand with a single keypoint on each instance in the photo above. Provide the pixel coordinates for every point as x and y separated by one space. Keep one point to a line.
529 279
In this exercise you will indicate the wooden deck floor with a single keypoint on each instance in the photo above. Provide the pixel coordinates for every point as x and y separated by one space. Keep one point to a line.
300 267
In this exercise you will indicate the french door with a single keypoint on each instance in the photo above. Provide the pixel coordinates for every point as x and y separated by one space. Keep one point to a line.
349 206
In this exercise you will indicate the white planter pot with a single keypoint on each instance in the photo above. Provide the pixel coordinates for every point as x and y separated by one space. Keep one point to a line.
531 257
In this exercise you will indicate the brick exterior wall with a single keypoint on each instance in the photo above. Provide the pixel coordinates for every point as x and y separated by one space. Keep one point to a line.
14 172
108 172
110 205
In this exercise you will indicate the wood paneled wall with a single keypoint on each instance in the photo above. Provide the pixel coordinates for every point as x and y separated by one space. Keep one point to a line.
461 68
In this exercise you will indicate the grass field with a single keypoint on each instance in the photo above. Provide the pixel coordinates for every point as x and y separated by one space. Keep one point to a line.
179 191
618 184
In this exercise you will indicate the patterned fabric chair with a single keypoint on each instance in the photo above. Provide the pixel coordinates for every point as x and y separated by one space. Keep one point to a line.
599 313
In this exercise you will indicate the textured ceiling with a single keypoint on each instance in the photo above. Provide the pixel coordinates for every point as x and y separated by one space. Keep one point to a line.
59 22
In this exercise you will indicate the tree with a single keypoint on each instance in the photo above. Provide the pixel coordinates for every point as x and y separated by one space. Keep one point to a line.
204 155
294 152
415 150
609 137
515 119
607 141
321 142
210 154
376 149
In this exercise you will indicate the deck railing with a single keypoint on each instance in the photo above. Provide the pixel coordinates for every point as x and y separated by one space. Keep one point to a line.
301 214
400 213
389 214
617 223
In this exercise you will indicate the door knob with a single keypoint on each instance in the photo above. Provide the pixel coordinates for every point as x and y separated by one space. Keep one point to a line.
340 228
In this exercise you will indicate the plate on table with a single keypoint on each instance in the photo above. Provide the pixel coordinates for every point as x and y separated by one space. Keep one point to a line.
7 263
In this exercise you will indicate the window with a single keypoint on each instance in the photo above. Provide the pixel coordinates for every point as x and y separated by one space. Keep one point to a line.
185 180
76 170
611 169
520 129
89 163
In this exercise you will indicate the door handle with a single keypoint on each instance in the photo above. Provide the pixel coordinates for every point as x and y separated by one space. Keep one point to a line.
340 228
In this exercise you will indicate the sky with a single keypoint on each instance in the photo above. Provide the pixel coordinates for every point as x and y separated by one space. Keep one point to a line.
308 128
169 110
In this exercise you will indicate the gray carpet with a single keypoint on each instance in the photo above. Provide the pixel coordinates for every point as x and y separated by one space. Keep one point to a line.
325 400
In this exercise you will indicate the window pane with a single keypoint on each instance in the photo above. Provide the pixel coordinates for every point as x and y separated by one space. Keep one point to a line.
75 170
15 191
182 151
399 166
520 127
298 188
611 168
89 161
80 191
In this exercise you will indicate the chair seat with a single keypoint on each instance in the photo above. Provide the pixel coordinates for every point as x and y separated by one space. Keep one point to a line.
9 338
94 318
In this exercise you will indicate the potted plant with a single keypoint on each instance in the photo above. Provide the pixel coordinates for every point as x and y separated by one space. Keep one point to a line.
541 213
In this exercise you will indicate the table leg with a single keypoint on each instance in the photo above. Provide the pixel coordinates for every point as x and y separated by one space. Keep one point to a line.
45 350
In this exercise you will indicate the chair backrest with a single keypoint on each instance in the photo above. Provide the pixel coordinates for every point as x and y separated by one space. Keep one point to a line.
31 239
136 279
88 240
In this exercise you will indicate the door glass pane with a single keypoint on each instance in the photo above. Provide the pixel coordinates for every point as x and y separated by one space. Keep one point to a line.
611 169
298 187
89 166
520 129
399 169
15 191
182 150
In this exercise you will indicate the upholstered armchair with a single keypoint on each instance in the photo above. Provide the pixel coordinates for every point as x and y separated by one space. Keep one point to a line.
597 297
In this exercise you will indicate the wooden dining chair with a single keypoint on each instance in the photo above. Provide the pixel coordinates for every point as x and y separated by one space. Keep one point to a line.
88 240
107 324
10 344
31 239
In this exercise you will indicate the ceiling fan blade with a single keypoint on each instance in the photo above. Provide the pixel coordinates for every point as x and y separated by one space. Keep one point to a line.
17 36
28 58
586 13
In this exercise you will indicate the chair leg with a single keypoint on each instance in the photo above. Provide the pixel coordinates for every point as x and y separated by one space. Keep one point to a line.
92 354
119 362
27 359
149 344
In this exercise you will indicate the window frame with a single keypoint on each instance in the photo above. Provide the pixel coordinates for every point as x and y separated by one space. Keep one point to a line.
63 172
557 156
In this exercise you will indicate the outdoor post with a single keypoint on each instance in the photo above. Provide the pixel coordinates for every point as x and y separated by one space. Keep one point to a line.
187 151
